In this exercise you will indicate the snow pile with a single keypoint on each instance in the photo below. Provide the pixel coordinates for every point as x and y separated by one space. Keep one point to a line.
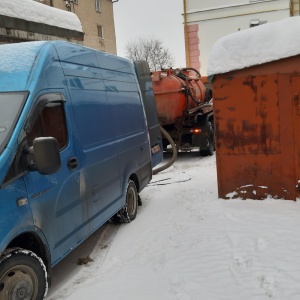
187 244
36 12
254 46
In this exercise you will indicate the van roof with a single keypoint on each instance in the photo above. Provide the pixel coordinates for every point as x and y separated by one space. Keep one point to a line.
18 61
16 64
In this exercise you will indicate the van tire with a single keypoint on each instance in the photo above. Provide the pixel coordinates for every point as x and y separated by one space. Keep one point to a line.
23 275
129 211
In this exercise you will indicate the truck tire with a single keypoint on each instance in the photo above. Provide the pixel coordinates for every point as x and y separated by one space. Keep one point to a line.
209 147
129 211
23 275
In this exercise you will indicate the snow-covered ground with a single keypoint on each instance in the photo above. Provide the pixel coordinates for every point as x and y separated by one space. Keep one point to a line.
187 244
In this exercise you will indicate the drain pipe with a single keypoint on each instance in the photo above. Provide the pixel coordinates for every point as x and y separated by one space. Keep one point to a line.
174 148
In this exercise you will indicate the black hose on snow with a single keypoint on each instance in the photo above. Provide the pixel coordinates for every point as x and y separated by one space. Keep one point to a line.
174 148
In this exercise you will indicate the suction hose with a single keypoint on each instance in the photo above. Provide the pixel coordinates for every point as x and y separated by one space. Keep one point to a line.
169 163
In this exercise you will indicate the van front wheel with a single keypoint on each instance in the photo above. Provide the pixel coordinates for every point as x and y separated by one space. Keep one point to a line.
22 276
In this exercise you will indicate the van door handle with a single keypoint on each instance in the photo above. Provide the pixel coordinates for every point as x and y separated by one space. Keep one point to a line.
73 163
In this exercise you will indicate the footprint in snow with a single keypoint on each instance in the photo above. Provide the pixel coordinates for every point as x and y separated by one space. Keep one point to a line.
260 244
269 284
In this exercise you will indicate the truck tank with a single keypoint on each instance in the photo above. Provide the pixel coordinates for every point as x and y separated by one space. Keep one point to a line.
176 93
185 109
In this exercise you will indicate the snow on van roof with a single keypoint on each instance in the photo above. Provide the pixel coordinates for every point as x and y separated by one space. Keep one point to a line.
254 46
18 57
36 12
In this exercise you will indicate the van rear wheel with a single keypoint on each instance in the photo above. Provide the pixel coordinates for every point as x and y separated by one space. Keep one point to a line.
22 276
129 211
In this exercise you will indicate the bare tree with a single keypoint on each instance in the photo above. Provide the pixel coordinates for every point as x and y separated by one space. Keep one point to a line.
151 50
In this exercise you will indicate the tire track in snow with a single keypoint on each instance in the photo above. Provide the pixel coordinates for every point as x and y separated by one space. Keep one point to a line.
96 247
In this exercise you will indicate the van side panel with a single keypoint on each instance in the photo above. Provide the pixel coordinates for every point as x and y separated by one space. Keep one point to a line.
96 144
112 133
129 122
121 83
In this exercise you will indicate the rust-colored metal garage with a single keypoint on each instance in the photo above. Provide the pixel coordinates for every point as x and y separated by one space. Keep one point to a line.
257 113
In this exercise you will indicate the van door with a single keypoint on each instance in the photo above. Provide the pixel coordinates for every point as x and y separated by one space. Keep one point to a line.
58 207
97 147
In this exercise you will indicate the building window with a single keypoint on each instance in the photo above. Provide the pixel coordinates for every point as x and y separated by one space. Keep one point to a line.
100 32
98 7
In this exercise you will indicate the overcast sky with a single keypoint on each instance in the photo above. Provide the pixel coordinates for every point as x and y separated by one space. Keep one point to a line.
142 18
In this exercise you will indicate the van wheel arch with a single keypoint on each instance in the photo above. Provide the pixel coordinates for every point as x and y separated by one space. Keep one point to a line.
32 242
134 178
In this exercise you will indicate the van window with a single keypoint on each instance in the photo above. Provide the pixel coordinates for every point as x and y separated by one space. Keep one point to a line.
50 122
11 105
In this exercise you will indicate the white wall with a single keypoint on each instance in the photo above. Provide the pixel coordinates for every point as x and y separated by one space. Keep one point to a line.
215 23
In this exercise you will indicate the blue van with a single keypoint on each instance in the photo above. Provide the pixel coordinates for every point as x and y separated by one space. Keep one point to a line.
74 152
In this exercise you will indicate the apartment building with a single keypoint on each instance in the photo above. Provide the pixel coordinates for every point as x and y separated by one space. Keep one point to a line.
208 21
96 17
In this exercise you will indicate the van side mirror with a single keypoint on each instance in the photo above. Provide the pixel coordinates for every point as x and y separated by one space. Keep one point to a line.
46 154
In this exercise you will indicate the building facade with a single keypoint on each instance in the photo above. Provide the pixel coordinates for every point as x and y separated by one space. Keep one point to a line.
208 21
96 17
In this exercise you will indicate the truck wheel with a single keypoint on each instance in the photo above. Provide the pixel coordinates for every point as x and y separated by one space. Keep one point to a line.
209 142
129 211
23 275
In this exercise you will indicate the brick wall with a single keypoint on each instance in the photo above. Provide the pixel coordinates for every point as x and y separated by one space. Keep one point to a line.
194 51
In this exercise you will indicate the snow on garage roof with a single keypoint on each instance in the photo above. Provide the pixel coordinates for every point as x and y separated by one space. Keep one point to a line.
36 12
256 45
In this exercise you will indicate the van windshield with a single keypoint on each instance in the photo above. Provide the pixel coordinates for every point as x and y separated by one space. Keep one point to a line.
11 105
